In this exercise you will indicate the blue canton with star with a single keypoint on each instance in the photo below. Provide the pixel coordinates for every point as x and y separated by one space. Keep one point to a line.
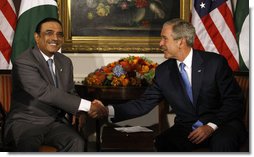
204 7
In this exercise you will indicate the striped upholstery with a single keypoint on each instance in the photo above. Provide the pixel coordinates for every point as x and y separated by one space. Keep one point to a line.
5 91
243 81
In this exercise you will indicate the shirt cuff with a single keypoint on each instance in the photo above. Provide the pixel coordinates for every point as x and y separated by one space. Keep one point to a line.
111 111
212 125
84 105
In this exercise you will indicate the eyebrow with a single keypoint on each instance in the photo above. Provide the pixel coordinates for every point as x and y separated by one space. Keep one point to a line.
163 36
51 30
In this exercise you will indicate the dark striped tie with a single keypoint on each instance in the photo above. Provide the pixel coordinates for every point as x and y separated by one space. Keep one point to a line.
50 64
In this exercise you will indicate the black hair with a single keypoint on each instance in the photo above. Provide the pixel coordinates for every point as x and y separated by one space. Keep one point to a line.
48 19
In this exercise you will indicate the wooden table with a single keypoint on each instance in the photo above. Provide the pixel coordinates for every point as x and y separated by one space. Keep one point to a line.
108 95
116 141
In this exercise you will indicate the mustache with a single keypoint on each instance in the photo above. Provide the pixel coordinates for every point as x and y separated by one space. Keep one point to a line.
163 48
53 42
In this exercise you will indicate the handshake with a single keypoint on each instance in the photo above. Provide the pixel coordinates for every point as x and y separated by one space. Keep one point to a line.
97 109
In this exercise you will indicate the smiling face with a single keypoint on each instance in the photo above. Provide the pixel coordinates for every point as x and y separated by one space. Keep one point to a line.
168 44
50 38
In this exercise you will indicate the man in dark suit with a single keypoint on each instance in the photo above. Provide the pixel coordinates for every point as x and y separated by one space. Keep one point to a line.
201 89
43 92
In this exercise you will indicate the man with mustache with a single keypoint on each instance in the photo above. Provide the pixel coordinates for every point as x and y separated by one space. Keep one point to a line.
202 91
43 92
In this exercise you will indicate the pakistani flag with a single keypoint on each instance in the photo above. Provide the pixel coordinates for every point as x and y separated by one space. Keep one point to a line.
242 32
31 12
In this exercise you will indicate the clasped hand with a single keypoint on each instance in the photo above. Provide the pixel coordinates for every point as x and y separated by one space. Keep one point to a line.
200 134
97 110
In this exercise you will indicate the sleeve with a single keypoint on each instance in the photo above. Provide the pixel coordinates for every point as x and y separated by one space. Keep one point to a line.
231 94
31 78
141 106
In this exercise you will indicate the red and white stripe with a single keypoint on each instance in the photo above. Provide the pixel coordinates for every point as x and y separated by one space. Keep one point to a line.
8 20
216 33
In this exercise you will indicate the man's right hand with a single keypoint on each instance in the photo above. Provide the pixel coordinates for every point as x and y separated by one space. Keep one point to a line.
98 110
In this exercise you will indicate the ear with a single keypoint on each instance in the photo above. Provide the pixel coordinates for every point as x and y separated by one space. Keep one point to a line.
181 42
36 37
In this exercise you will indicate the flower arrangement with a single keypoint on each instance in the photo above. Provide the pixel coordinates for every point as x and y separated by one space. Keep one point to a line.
129 71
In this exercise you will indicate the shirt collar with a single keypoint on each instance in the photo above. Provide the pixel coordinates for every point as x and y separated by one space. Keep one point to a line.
188 60
46 57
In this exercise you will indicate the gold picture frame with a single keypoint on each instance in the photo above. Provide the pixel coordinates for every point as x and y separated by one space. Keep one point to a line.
107 43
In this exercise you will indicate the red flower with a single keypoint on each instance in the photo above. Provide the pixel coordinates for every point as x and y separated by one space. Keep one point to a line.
141 3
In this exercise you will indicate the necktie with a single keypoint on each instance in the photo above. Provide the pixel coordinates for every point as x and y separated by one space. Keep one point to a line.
50 64
186 81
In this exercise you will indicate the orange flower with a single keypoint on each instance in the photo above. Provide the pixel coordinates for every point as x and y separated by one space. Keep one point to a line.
107 69
125 82
145 69
126 66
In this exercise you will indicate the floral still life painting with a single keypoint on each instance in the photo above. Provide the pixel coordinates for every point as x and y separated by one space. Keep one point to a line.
121 17
132 71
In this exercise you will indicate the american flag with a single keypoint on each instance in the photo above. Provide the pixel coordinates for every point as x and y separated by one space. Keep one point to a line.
215 31
7 28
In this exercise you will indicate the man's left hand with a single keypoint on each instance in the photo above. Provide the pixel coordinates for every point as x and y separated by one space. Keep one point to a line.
79 120
200 134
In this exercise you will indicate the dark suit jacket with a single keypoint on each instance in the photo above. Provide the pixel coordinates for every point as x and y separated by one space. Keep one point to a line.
35 100
217 96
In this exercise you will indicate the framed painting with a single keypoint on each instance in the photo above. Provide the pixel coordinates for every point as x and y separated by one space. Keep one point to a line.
117 25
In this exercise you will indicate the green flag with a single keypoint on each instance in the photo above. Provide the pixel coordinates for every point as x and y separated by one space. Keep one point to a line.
242 33
31 12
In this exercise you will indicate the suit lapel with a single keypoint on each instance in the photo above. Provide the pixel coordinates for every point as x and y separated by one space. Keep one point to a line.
44 69
176 80
197 75
174 75
59 70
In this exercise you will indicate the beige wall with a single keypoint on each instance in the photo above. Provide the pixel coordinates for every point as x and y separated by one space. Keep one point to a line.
86 63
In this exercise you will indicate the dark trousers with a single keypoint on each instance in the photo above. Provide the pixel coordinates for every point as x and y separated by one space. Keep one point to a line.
226 138
27 137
